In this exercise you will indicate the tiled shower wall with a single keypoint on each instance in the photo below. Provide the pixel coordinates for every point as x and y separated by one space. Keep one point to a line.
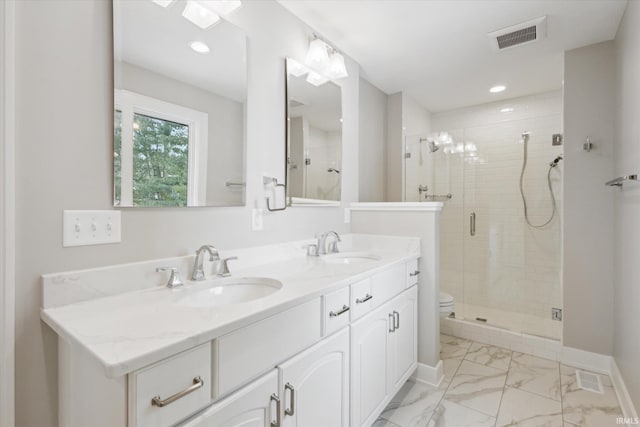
507 265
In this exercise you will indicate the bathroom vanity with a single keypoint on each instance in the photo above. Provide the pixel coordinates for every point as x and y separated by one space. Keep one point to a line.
328 344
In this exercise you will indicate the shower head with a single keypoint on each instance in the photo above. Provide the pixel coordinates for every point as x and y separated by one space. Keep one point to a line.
433 146
333 170
525 137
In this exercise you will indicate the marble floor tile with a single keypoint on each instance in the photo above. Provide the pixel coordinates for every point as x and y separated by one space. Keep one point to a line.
450 414
477 387
453 347
413 405
449 368
524 409
586 408
381 422
489 355
534 374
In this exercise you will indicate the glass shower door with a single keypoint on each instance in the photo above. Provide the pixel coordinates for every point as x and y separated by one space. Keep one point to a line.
511 272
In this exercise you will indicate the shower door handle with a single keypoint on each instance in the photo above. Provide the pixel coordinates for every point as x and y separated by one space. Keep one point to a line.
472 224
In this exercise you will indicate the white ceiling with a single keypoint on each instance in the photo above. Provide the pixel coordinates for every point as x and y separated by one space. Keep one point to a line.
437 51
157 39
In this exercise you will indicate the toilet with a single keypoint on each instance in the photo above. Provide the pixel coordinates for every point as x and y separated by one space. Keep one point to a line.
446 304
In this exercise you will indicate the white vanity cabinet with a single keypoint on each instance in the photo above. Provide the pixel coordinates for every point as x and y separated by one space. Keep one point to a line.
310 390
314 385
334 359
383 355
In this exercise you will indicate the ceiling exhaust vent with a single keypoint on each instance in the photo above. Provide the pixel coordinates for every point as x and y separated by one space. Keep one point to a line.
517 35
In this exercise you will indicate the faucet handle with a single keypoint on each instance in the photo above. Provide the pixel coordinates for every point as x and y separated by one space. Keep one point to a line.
174 278
312 249
223 267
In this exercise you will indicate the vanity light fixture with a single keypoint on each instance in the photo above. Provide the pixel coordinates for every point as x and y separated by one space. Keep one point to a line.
296 68
317 56
325 60
507 110
199 46
498 89
337 69
163 3
200 15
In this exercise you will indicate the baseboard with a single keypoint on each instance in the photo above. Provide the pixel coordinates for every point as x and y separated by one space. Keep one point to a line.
432 375
585 360
626 404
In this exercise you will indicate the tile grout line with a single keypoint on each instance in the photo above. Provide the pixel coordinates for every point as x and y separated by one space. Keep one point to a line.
503 389
561 394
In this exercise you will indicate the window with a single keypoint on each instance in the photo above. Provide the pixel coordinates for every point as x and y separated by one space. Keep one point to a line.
156 145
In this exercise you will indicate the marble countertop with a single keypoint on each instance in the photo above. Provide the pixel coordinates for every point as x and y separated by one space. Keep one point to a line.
130 330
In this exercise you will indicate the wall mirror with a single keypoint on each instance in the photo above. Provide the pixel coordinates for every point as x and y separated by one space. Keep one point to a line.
179 120
314 137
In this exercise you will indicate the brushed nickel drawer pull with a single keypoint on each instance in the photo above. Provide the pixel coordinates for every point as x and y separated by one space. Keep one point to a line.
160 403
276 423
415 273
344 309
292 410
392 323
396 320
366 298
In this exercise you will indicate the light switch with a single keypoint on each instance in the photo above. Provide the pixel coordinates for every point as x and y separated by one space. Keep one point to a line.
81 228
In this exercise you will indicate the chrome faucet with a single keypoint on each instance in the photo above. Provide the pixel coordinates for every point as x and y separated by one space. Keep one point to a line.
322 243
198 271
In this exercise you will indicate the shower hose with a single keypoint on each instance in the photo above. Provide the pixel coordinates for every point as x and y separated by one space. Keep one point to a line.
524 200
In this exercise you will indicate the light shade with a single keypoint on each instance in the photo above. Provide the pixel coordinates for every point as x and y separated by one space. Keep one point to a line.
316 79
317 56
221 7
336 69
163 3
199 15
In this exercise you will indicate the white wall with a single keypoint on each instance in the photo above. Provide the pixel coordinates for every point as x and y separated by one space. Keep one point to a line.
395 149
589 110
626 309
373 136
64 142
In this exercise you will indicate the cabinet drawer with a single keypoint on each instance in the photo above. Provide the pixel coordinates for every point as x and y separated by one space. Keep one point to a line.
387 284
413 273
248 352
182 384
335 310
361 298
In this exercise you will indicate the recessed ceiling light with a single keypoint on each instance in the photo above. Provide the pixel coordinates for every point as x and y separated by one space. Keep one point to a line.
199 47
498 89
506 110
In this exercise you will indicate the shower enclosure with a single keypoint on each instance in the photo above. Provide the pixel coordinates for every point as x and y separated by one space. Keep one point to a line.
500 270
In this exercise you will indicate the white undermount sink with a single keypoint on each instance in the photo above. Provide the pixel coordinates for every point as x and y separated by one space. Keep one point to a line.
228 291
350 257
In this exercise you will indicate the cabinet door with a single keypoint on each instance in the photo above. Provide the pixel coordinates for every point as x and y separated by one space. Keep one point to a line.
403 341
251 406
315 385
369 361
